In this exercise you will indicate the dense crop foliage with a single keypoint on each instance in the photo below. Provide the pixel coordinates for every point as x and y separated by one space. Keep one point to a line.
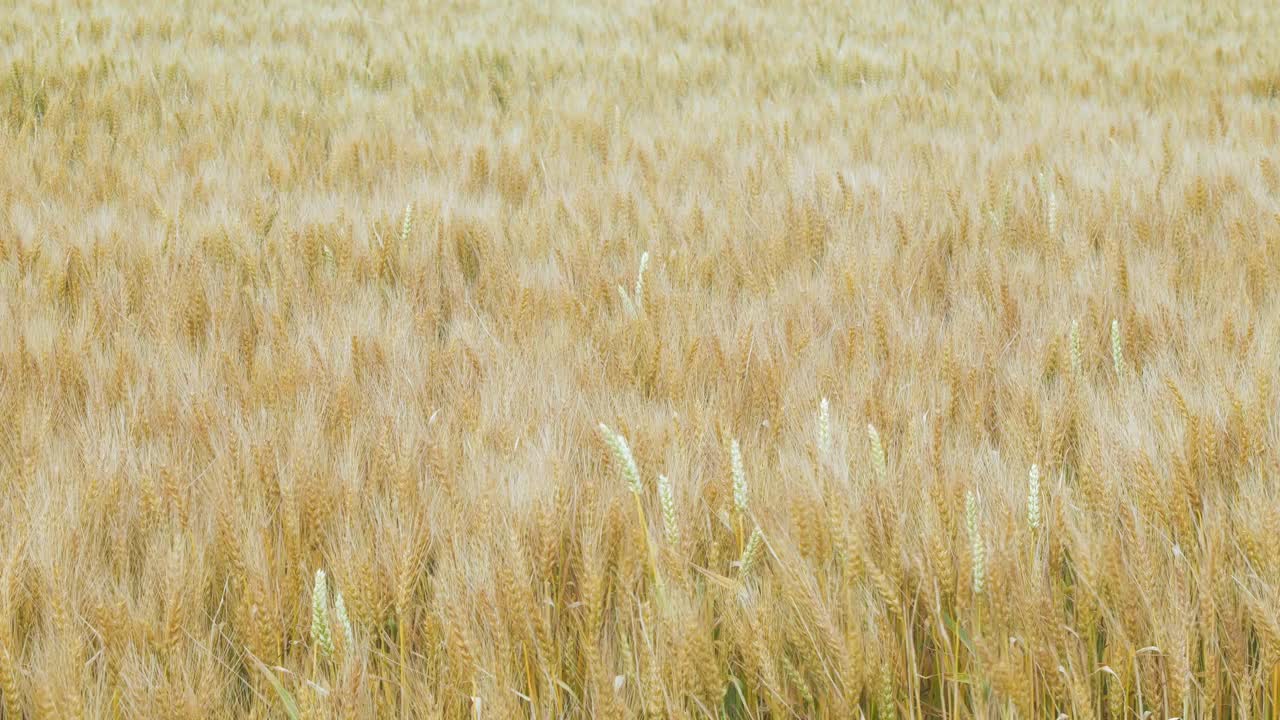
654 359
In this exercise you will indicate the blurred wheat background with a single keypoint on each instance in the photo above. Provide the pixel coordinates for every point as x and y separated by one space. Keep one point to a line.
639 360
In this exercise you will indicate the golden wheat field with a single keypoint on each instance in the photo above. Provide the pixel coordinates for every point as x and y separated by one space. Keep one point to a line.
646 359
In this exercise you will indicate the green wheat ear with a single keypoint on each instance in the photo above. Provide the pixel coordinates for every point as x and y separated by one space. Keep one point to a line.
751 553
626 461
406 225
824 427
877 454
626 302
320 615
740 496
340 609
639 293
633 304
666 494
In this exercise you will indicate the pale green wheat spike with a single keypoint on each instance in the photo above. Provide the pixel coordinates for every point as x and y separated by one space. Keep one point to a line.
406 226
1033 497
1077 365
634 304
975 542
824 427
340 609
751 552
639 292
320 615
667 495
622 453
739 479
877 454
1117 349
626 301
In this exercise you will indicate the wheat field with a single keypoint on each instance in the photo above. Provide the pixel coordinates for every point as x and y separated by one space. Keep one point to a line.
661 359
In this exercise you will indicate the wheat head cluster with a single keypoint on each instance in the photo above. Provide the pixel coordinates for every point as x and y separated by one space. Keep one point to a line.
661 359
